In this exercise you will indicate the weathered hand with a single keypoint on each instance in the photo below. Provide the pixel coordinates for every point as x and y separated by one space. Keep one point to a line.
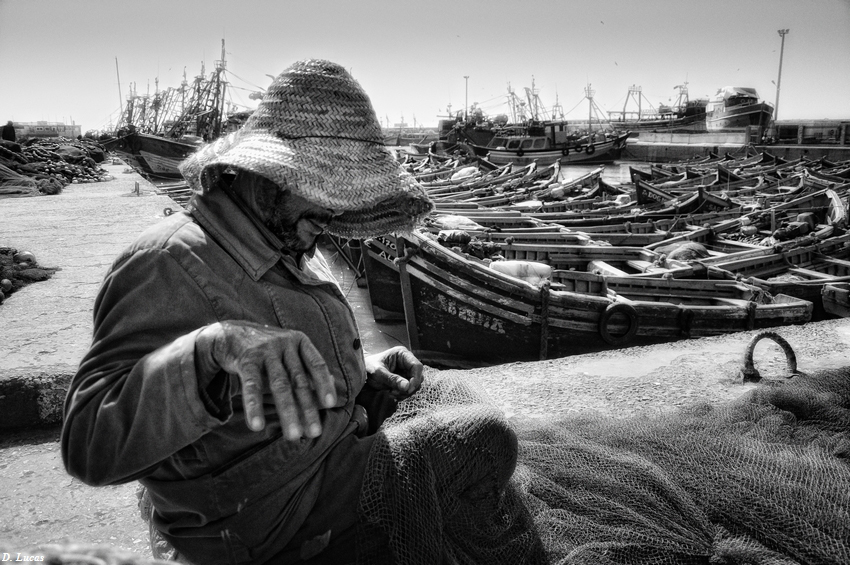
283 361
396 370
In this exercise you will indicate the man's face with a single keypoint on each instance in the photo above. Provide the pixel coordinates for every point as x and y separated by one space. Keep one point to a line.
297 222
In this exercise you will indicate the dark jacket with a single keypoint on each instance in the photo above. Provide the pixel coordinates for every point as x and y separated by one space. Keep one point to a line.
135 411
8 133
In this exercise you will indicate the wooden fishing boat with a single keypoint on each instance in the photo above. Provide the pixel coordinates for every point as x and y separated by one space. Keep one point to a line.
524 149
503 189
800 270
659 207
473 176
152 156
460 312
795 221
835 297
382 278
588 185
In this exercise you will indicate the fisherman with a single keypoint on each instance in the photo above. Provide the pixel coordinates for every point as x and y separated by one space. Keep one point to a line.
226 373
8 133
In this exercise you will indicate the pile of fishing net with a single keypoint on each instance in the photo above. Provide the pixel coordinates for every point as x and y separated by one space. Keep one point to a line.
19 269
761 480
46 166
16 184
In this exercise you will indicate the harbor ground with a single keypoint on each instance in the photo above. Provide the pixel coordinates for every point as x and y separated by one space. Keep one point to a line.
47 328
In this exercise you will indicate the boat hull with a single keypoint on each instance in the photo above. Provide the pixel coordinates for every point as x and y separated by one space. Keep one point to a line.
687 124
758 115
382 280
601 152
836 299
464 314
152 156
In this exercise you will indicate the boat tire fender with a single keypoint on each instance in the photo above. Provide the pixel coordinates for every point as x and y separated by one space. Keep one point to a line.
565 151
590 149
579 148
618 308
520 153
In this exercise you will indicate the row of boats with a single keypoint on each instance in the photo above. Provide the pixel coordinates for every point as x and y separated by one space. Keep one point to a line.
517 263
733 108
157 132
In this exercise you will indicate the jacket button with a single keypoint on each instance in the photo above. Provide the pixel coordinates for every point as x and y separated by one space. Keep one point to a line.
356 344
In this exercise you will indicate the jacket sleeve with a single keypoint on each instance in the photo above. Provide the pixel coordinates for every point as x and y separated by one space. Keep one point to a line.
135 399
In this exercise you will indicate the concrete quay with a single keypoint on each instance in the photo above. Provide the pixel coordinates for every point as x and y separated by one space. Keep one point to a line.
47 328
48 324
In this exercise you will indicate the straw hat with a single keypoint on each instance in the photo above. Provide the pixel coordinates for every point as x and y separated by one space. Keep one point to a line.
315 131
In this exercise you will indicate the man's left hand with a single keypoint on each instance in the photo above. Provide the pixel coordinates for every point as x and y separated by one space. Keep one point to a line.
396 370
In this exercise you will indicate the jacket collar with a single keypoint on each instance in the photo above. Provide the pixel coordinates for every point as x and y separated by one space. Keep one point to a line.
235 232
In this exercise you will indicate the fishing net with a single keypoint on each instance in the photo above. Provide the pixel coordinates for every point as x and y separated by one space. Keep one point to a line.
12 183
764 480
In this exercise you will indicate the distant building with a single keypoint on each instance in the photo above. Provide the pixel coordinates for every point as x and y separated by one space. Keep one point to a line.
25 130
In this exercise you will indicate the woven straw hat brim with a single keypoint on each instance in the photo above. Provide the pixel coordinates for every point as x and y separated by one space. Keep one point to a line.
400 213
340 174
361 179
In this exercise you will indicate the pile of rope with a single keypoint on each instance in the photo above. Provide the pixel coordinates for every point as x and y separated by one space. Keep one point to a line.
761 480
42 166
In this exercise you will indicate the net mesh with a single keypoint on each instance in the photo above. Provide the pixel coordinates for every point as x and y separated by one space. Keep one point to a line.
764 479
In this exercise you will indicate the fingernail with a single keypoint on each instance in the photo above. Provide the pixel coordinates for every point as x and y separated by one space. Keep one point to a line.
257 423
329 400
315 430
293 433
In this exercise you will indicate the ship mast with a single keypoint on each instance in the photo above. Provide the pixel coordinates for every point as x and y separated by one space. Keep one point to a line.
183 86
531 95
213 126
592 109
682 100
516 105
557 109
120 97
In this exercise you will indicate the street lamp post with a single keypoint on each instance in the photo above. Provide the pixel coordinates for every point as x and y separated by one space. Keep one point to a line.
466 99
782 33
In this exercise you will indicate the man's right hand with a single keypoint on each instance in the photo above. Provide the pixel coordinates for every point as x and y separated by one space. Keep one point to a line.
284 361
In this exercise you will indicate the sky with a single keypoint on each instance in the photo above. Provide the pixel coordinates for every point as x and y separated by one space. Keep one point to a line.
74 60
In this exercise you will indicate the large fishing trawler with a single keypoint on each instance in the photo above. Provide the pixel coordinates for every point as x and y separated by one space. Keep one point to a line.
737 107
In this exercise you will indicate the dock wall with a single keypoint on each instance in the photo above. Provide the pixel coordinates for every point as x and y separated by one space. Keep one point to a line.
814 140
667 148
